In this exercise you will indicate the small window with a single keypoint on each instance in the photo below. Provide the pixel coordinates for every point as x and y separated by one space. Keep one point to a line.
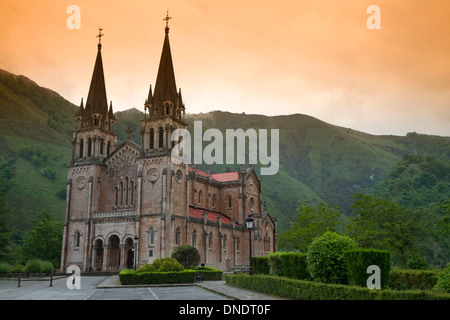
200 197
81 148
177 236
108 148
89 151
160 137
152 236
152 138
77 239
194 238
229 201
213 201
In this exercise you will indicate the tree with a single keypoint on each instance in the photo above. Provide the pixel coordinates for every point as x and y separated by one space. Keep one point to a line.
187 255
5 248
325 257
384 225
309 224
44 240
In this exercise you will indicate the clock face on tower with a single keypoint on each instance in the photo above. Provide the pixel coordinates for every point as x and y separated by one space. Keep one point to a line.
152 175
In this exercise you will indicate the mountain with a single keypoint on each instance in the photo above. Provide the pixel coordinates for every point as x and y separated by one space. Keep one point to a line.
318 161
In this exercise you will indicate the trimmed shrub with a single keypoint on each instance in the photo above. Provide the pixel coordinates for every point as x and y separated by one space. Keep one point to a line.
33 266
325 257
309 290
47 267
359 259
261 265
208 273
443 281
5 267
417 262
131 277
288 264
402 279
162 265
187 255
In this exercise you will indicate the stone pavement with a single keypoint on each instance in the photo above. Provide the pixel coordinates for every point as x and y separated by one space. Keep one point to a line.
109 288
219 287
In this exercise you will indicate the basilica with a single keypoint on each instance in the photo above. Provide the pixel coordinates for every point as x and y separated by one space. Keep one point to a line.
129 204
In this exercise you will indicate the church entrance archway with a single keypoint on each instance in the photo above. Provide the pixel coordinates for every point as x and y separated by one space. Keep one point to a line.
98 251
129 249
114 252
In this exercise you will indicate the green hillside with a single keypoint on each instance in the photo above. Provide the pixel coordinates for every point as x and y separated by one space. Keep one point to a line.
318 161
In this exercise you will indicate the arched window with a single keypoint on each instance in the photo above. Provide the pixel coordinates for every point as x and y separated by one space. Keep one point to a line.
152 236
102 143
89 151
108 148
127 187
213 201
121 192
132 192
194 238
210 236
229 201
225 243
200 197
177 236
81 148
152 138
160 137
116 196
77 239
238 243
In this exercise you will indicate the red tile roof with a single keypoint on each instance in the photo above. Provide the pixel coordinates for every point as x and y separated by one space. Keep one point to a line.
219 177
210 216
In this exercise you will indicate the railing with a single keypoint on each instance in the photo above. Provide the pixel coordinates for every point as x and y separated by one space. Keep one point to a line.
114 214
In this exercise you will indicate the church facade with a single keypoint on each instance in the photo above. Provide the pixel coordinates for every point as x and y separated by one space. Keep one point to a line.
129 204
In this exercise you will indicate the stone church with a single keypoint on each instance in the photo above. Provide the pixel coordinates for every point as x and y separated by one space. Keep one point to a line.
129 204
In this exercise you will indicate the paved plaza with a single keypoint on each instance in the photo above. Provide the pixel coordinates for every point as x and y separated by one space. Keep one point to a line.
109 288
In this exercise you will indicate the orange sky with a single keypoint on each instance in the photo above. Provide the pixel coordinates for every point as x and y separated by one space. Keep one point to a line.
270 57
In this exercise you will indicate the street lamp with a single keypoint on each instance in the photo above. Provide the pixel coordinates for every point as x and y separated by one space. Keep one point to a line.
135 241
249 222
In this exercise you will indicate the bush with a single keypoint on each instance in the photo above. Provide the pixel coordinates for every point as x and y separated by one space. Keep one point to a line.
261 265
288 264
47 267
162 265
5 267
187 255
359 259
443 281
209 274
38 266
33 266
128 277
325 257
309 290
401 279
417 262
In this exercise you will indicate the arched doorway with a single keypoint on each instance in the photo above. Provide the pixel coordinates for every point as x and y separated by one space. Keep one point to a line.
129 249
98 251
114 252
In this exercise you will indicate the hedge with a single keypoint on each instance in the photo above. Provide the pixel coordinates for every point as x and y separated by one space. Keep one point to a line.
261 265
403 279
358 260
208 273
288 264
128 276
309 290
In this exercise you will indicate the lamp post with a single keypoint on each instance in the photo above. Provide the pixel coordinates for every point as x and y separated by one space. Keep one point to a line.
249 222
135 241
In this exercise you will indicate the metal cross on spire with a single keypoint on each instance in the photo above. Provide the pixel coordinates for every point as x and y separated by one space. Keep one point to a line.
100 35
167 18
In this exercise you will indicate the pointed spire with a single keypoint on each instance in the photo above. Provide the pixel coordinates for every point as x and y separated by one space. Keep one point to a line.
96 101
79 115
165 87
150 96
